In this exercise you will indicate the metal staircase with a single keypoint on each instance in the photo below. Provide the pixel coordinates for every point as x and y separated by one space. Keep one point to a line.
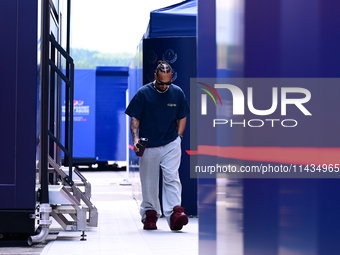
71 205
70 192
63 192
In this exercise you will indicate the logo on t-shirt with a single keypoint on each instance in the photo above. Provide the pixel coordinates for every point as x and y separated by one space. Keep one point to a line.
172 105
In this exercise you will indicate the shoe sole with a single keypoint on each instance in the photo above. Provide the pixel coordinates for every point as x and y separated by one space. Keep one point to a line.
150 228
180 222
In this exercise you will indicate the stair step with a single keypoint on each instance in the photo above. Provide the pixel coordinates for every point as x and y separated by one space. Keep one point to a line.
78 183
67 209
58 196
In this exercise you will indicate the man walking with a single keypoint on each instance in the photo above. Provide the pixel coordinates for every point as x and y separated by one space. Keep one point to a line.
158 111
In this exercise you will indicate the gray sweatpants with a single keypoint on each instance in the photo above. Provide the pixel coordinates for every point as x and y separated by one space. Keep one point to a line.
168 158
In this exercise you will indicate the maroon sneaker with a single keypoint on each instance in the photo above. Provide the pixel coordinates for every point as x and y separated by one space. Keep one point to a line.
178 218
150 220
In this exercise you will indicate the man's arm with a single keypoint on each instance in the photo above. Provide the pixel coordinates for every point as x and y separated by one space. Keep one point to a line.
134 126
181 125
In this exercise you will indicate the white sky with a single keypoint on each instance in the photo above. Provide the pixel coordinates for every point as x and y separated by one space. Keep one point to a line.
111 26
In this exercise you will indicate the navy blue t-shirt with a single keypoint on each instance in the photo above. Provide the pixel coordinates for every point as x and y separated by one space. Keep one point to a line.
158 113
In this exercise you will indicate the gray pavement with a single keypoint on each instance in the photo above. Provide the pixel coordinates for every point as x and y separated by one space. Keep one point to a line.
119 229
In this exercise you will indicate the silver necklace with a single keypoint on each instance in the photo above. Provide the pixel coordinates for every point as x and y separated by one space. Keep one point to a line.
161 91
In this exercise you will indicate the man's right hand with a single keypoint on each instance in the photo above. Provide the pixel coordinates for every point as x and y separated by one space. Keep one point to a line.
135 148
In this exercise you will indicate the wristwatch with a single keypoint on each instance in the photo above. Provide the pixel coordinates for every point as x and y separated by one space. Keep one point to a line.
181 136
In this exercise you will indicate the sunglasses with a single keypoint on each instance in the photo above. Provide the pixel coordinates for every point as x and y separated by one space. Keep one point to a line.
163 83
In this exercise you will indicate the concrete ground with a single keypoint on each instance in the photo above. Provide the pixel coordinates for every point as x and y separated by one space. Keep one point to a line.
119 229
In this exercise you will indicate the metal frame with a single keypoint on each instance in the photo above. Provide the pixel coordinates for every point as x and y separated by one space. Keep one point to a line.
69 82
65 198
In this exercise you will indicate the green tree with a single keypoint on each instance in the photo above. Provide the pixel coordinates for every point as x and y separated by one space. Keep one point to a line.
85 59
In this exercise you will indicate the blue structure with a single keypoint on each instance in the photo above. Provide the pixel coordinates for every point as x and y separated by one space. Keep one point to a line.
270 39
30 112
111 86
84 119
175 20
18 19
99 119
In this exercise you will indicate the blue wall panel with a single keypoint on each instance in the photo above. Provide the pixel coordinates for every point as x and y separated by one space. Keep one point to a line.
18 100
8 12
206 67
275 39
111 86
84 115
